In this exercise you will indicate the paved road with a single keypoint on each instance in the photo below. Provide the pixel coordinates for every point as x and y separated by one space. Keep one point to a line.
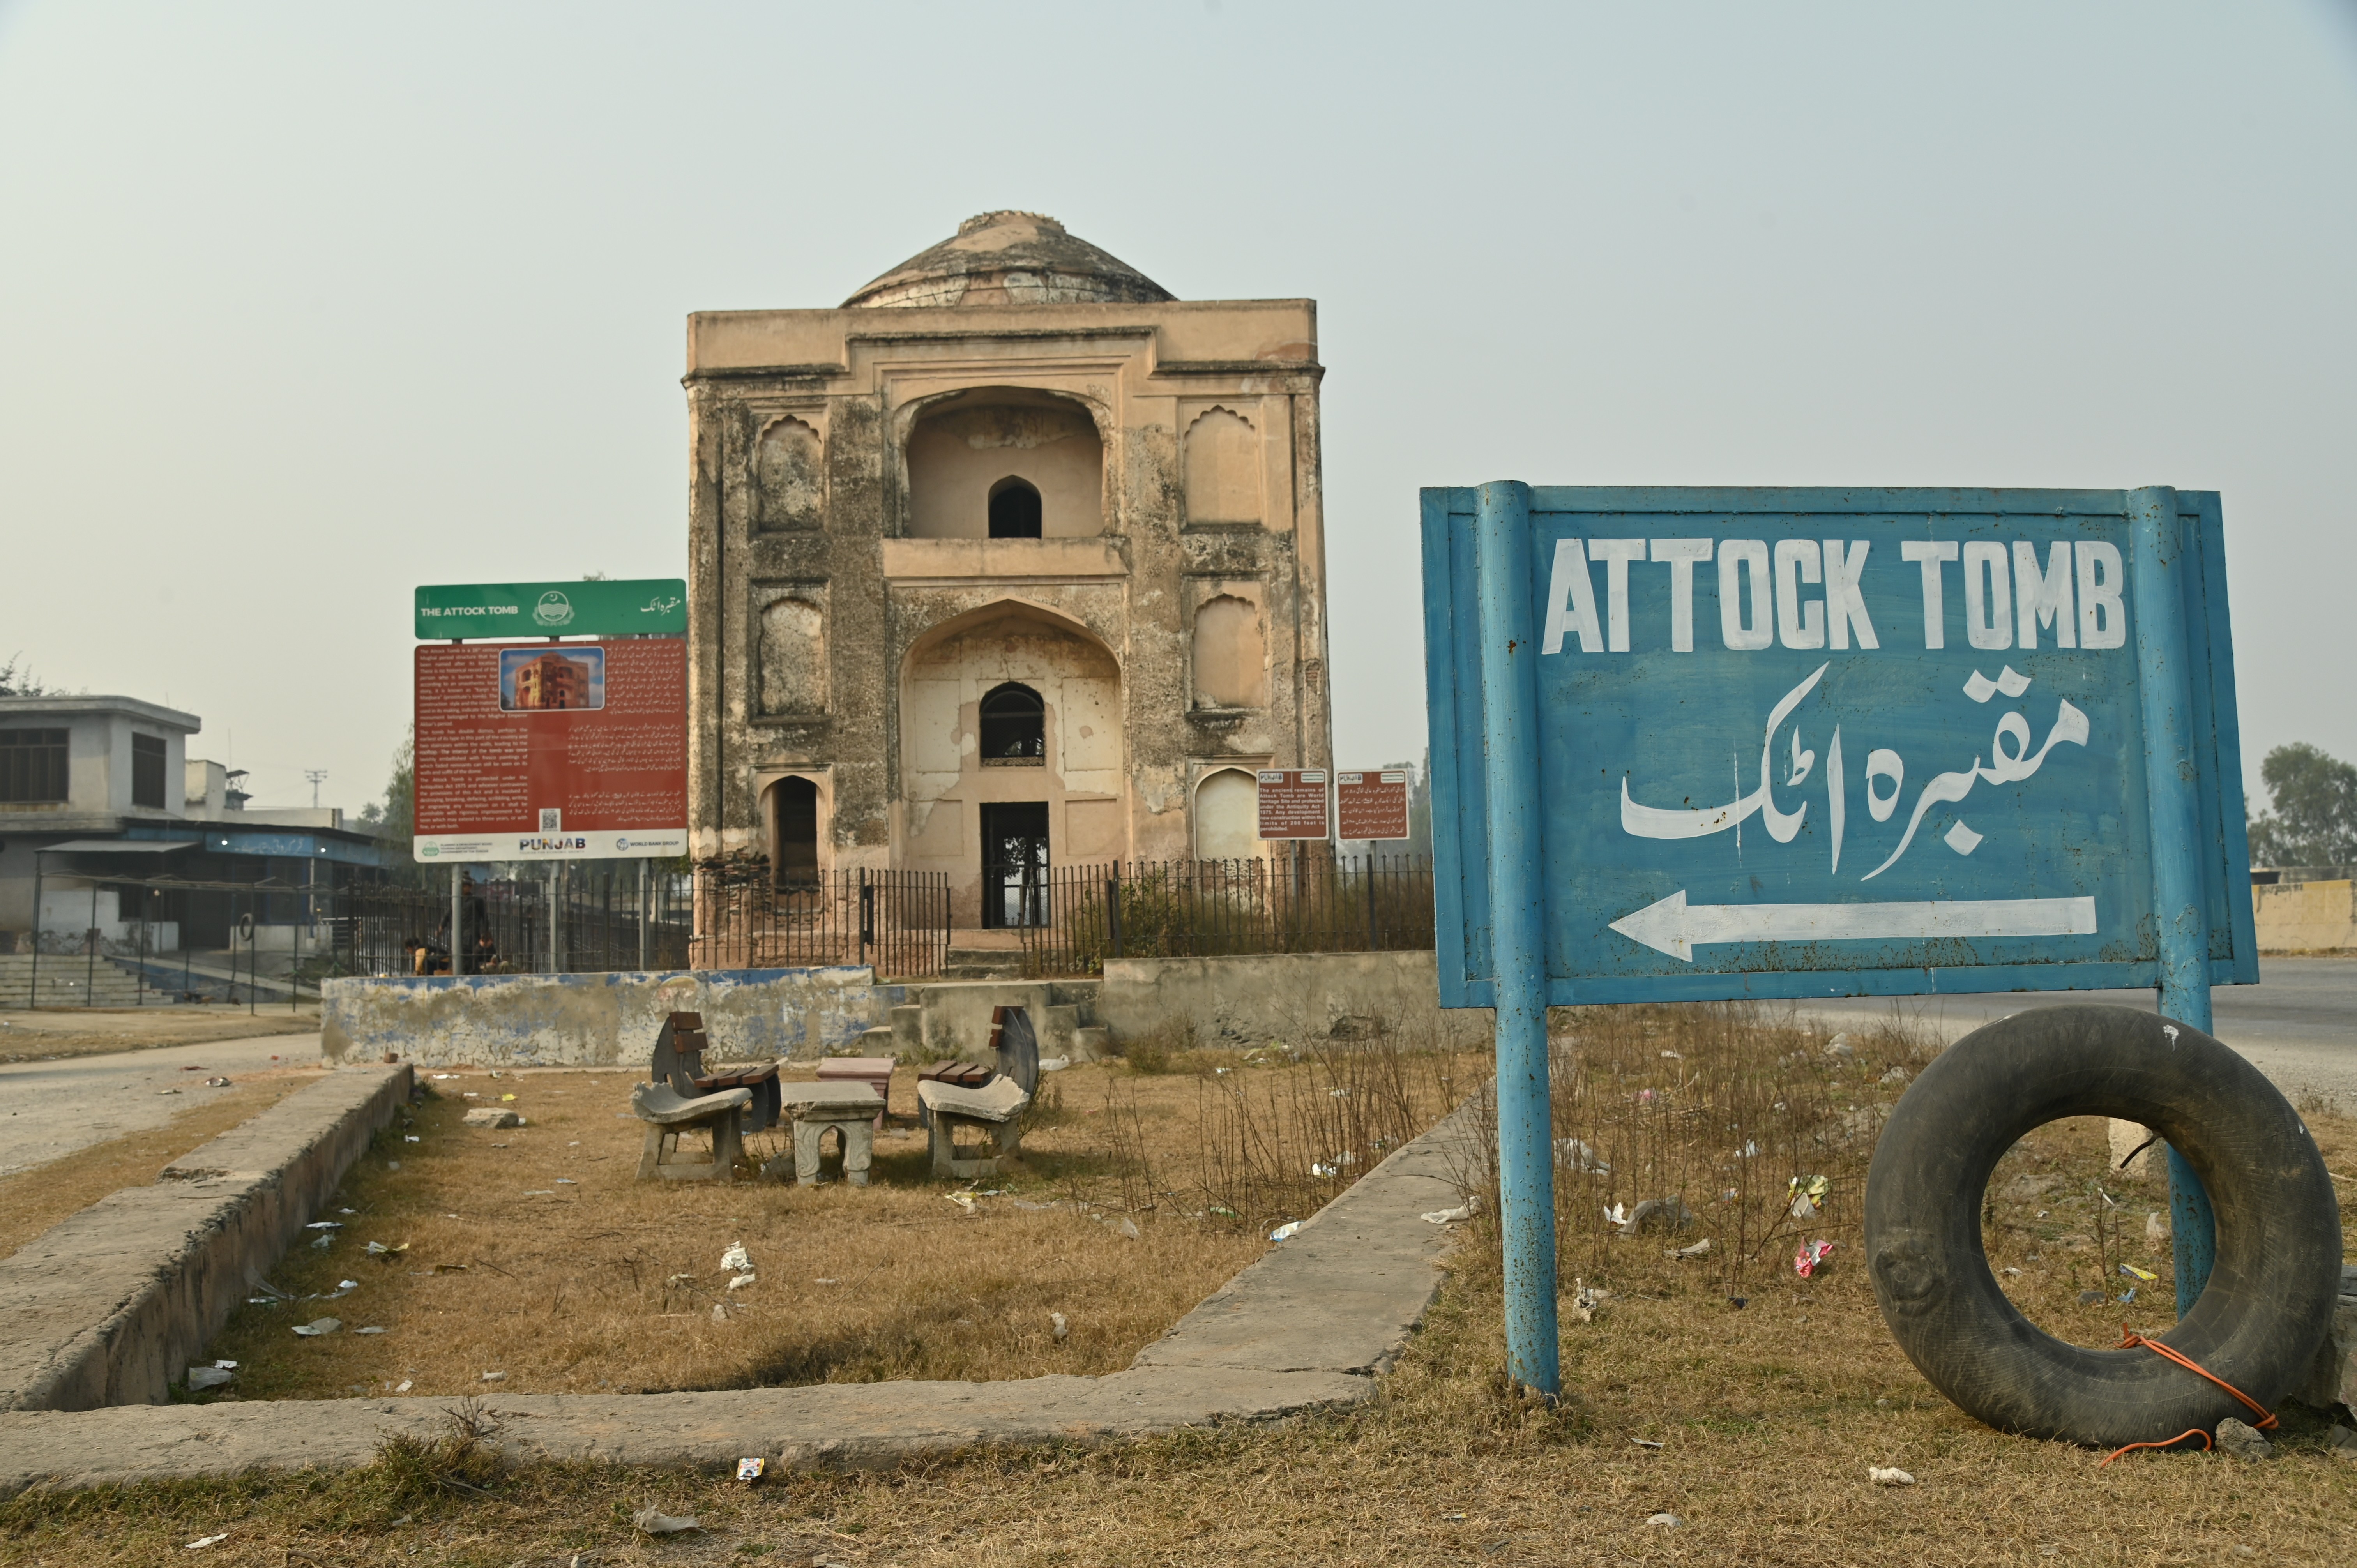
2299 1024
49 1109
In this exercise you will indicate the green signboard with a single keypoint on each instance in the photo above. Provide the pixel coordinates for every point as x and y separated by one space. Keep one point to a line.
634 607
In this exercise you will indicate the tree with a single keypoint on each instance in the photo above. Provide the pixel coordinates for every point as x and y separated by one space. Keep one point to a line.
16 684
395 816
2313 819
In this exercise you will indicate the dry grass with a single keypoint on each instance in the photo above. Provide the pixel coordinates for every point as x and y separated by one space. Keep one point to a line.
32 1201
52 1034
1768 1416
535 1252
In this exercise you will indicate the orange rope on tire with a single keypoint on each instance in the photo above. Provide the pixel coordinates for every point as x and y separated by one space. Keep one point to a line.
2129 1341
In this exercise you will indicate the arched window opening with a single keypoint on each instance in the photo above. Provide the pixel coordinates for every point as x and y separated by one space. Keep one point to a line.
793 861
1227 816
1014 726
1014 509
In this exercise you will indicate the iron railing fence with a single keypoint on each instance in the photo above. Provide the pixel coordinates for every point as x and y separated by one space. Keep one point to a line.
610 916
895 921
281 939
1307 900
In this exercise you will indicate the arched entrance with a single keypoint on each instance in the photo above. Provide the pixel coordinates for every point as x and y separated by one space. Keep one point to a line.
1011 757
791 811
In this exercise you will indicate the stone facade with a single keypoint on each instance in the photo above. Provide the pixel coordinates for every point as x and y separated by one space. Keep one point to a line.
1012 466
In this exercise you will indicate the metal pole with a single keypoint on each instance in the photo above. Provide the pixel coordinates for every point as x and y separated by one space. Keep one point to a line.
2158 561
1517 922
90 945
145 893
295 939
33 990
253 956
458 920
645 904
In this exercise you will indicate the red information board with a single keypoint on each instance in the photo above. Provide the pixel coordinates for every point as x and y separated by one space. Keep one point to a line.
552 750
1371 805
1292 802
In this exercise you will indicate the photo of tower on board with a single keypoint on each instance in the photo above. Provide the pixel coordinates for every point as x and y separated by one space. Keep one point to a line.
537 681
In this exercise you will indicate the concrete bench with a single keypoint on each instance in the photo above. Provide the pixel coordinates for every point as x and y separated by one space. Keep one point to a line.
668 1114
994 1110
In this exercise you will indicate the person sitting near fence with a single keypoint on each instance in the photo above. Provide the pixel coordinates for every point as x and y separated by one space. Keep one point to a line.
431 956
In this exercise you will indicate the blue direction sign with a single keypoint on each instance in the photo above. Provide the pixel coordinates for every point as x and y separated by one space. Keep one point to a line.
1794 743
1699 743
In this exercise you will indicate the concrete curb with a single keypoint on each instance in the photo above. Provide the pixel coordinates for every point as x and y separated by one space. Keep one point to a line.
1304 1327
107 1307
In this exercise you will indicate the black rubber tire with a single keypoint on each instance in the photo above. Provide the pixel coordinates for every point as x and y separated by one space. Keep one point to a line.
2270 1296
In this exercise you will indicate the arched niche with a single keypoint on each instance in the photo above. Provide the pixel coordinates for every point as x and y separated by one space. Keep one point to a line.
965 451
1221 468
791 652
1227 816
1231 654
789 478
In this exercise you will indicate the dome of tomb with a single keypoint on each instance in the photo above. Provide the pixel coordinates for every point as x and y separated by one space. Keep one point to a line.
1011 258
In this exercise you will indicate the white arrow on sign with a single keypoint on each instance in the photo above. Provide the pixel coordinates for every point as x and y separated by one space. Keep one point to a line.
1676 928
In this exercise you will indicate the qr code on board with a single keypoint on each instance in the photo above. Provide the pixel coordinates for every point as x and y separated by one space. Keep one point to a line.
552 819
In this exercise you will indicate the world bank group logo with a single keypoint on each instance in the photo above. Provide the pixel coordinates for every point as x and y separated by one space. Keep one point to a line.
554 609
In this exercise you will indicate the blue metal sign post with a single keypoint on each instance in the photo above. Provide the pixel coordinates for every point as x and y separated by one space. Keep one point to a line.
1696 745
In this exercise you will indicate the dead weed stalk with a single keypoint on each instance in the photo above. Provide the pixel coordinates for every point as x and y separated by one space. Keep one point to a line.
1737 1125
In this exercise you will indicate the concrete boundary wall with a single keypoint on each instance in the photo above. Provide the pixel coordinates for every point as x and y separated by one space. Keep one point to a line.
1306 1326
597 1020
109 1306
2306 917
1274 996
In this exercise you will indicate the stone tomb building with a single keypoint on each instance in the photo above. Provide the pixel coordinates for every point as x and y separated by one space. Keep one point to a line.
1012 560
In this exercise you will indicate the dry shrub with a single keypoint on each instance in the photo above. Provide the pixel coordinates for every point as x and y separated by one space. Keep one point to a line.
410 1472
1283 1129
1168 1046
1711 1113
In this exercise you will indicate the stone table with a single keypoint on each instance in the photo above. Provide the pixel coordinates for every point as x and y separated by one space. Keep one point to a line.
852 1107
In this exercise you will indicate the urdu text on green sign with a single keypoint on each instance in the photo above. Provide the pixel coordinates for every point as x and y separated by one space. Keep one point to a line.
634 607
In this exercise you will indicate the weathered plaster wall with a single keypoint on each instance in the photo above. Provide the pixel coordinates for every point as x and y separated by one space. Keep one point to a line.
597 1020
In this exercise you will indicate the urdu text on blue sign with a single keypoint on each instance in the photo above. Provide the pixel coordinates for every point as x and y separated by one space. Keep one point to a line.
1798 743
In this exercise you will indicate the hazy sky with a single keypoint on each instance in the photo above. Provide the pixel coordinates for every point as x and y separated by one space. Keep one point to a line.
303 304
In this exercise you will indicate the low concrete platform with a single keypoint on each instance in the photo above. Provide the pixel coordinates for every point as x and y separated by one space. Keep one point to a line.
1305 1327
108 1306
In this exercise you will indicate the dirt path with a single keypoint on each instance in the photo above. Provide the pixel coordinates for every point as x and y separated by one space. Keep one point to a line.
57 1107
58 1033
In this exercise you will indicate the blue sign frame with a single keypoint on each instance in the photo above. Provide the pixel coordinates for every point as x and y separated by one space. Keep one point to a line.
1813 742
